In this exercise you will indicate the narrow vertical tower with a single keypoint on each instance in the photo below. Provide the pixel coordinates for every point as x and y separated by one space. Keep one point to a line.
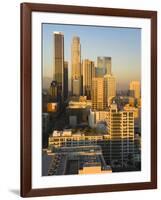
76 66
98 102
59 63
65 80
109 88
88 75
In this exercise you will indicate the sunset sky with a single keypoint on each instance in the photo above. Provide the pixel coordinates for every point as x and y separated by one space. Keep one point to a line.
122 44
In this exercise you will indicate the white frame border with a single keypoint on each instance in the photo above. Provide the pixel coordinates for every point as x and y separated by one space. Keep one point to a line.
81 180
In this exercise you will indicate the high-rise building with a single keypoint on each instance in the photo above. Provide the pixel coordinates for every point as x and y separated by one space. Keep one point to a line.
103 90
137 116
121 131
45 128
105 64
135 89
65 80
59 62
54 91
99 72
76 57
88 75
109 88
98 100
76 64
81 84
76 87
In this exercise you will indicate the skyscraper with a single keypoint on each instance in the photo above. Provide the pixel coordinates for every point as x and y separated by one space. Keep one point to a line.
76 87
109 88
59 62
65 80
88 75
76 64
103 90
99 72
54 91
105 64
135 89
98 100
121 131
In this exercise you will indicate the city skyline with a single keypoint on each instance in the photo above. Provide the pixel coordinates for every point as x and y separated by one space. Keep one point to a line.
125 57
90 127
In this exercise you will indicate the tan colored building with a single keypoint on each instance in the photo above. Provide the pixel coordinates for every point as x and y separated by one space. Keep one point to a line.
98 97
79 104
109 88
121 123
103 90
94 170
121 131
88 75
76 87
66 138
76 65
135 89
139 102
135 110
131 101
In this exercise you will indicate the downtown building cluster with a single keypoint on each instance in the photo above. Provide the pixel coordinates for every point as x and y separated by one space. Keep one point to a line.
99 124
95 82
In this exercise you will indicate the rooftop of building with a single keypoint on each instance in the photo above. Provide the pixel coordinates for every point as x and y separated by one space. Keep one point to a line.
58 33
69 160
80 102
78 133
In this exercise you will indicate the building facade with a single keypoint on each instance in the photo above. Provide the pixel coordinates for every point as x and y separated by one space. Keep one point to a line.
68 139
96 117
103 90
76 86
65 80
54 91
76 65
105 64
135 89
59 63
109 88
98 97
88 75
121 131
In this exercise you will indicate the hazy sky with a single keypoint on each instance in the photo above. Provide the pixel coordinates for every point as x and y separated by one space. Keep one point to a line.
122 44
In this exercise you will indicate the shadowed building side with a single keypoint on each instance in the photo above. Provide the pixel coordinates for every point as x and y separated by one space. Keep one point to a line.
88 75
59 63
65 80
